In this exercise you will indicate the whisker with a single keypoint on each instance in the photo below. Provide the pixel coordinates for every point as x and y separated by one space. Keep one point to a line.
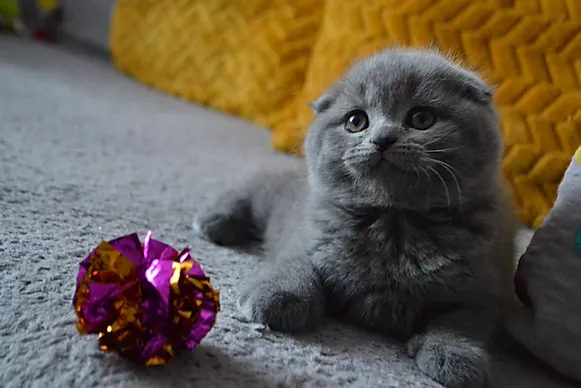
429 185
359 153
451 170
442 150
445 186
417 176
359 157
446 134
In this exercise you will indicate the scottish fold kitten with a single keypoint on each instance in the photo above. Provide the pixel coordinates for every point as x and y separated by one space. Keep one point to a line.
397 223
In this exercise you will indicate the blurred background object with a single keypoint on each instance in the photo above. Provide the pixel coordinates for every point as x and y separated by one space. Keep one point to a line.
34 18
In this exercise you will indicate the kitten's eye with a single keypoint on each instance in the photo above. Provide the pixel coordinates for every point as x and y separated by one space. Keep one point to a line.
356 121
420 118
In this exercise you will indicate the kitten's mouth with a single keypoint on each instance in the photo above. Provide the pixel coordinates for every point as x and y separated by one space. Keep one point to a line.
386 160
392 161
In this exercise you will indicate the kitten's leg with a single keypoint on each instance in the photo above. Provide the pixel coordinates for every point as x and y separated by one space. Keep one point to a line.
452 349
287 295
229 221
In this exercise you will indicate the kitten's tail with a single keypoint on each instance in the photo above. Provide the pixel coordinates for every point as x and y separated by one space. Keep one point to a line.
261 209
240 216
229 222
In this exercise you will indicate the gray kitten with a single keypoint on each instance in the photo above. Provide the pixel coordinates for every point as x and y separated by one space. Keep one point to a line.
398 223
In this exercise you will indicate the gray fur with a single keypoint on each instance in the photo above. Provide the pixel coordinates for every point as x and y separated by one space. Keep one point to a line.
408 241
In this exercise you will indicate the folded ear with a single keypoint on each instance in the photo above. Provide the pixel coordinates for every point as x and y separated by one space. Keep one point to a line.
470 87
322 103
477 91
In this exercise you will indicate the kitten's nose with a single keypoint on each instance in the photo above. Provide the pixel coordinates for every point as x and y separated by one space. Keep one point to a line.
384 142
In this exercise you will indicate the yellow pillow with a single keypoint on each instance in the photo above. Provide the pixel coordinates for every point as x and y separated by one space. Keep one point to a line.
246 58
531 50
264 60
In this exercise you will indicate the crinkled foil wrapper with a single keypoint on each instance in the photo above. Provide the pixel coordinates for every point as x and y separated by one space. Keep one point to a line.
147 302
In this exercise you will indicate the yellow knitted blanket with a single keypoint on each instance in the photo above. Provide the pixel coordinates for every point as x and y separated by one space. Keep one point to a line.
263 60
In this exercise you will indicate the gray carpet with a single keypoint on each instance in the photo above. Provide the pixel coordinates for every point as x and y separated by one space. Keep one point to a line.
88 154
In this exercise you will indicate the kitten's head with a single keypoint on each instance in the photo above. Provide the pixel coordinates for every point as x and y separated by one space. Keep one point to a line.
404 128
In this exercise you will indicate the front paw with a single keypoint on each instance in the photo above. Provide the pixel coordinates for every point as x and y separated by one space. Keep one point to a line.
451 361
282 310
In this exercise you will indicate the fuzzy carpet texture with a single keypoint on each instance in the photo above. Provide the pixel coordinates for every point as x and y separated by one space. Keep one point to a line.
87 154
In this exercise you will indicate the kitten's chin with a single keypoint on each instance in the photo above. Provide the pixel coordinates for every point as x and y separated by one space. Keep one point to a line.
379 171
401 160
391 168
375 163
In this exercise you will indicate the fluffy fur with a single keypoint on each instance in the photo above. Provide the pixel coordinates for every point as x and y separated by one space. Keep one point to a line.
400 230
